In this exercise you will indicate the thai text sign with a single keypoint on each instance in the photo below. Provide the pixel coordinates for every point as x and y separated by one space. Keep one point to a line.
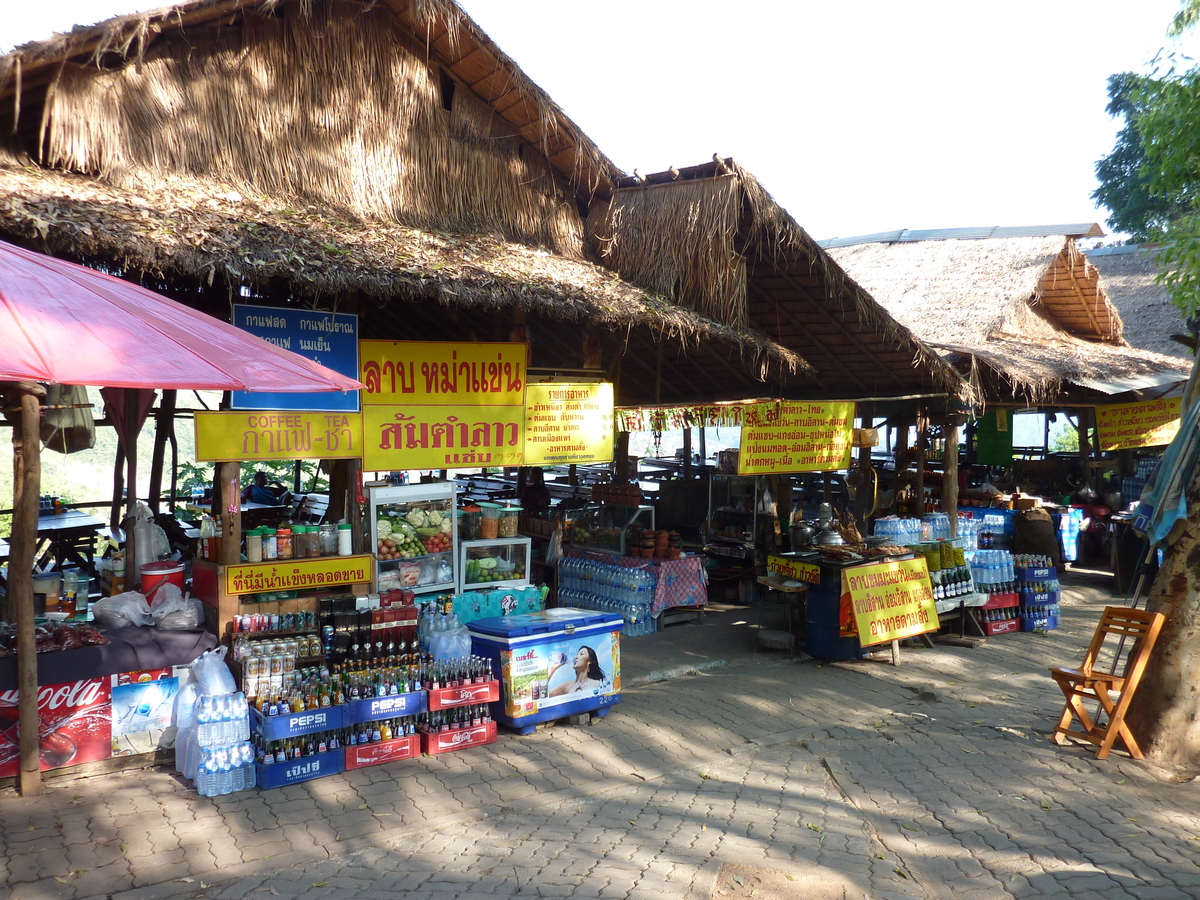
446 437
809 573
423 373
297 574
890 600
330 339
229 436
568 423
789 436
1125 426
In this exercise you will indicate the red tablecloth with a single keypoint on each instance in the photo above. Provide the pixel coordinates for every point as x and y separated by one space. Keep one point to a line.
677 582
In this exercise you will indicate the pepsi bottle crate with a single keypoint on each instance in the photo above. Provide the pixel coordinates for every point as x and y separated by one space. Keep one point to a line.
464 695
306 768
1039 574
1039 622
393 706
1041 599
434 742
295 724
362 755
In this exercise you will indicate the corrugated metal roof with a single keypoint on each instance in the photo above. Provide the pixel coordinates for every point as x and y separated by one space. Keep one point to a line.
904 235
1123 250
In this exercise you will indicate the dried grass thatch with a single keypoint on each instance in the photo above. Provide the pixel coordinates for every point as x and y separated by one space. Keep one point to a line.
181 229
711 238
1129 277
331 102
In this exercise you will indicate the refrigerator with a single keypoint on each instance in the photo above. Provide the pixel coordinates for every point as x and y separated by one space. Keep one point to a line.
413 537
552 664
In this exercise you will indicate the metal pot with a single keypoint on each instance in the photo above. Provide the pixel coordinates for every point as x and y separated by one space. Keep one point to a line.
801 534
828 538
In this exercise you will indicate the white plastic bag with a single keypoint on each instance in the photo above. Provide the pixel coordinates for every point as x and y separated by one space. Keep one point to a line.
212 675
452 642
554 548
172 610
122 610
187 749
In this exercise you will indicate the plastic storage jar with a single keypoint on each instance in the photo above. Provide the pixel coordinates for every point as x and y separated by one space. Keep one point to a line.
509 519
489 526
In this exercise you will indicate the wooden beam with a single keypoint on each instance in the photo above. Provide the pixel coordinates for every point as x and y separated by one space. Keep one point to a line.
950 477
1100 333
27 480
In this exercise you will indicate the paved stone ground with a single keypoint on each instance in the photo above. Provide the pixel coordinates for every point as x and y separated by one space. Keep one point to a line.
931 779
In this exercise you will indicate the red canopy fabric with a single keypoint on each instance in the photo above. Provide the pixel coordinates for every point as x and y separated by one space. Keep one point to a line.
66 324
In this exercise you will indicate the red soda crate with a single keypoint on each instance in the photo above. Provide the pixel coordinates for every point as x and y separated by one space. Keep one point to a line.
1003 626
458 739
466 695
362 755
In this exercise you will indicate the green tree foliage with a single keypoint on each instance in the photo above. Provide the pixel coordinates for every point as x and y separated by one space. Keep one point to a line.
1125 182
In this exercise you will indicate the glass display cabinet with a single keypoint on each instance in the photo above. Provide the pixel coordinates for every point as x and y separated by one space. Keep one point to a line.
607 527
499 563
414 538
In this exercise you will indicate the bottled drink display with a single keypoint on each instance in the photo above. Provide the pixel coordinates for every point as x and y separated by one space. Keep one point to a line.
629 593
226 762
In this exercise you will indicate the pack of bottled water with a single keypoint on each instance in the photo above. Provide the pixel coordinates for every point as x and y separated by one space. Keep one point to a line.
629 593
993 571
902 532
226 757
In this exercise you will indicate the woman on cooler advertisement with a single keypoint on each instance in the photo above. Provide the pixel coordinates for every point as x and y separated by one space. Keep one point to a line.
588 679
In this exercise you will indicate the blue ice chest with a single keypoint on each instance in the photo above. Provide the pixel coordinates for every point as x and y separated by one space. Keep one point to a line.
551 664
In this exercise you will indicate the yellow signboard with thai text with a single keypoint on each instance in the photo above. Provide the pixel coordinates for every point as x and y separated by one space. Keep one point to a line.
282 434
425 373
446 437
1126 426
784 436
568 423
298 574
809 573
890 600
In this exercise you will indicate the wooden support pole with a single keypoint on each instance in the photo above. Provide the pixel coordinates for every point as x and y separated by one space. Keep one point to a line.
340 481
864 493
621 459
573 475
950 477
1085 449
922 446
132 575
228 475
687 453
703 450
164 431
27 482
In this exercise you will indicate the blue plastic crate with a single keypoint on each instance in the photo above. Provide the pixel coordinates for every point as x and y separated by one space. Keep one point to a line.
294 771
1037 574
310 721
1048 622
391 707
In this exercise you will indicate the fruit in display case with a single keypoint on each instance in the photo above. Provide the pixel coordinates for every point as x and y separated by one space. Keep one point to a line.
398 548
438 542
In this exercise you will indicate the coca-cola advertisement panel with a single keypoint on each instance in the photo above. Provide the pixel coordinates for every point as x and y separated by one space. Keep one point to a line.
75 725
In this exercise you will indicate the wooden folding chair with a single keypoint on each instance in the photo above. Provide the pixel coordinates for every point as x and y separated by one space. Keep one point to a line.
1093 681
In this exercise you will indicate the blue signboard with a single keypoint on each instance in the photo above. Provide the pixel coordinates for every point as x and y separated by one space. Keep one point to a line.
330 339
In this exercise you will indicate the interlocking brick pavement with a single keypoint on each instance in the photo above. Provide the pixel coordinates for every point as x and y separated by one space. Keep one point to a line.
933 779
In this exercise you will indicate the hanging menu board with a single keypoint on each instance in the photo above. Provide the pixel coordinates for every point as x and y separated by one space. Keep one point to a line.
785 436
1127 426
568 423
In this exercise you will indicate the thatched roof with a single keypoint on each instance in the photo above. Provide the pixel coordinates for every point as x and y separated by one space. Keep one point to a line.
1128 276
196 232
1030 308
355 103
712 239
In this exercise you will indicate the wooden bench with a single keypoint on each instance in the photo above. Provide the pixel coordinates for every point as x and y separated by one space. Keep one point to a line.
1093 681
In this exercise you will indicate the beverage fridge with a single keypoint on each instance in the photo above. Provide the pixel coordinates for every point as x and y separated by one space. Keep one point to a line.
552 664
414 538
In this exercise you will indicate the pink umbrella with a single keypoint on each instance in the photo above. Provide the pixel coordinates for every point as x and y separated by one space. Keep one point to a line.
66 324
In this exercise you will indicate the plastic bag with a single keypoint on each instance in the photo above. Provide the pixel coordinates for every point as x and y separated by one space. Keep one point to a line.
71 427
187 748
451 642
554 548
122 610
172 610
212 675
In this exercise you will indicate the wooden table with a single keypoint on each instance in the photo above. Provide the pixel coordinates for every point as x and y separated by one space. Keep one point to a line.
67 538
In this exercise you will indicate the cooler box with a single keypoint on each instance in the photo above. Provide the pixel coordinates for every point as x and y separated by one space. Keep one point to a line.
552 664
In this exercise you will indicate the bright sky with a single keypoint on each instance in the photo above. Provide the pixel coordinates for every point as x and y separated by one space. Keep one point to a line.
858 117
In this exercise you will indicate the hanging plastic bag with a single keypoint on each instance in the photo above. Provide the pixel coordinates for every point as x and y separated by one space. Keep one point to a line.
554 549
122 610
212 675
68 425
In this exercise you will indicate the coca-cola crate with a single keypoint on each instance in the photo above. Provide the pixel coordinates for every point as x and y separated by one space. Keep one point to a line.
294 771
393 706
998 601
309 721
458 739
466 695
1003 626
363 755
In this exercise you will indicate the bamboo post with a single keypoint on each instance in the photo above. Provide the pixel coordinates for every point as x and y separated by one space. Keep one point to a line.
922 446
228 474
950 477
164 428
27 482
132 575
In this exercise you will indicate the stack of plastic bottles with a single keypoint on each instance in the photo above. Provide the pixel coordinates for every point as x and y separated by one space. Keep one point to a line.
968 533
226 761
588 584
936 527
1070 524
903 532
993 571
1040 590
441 634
